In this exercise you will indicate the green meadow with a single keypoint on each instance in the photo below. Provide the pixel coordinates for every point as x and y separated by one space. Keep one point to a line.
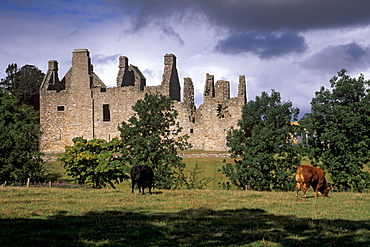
212 217
107 217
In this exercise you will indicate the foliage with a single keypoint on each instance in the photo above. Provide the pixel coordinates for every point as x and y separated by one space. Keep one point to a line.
93 162
194 182
19 141
24 83
152 137
339 131
263 145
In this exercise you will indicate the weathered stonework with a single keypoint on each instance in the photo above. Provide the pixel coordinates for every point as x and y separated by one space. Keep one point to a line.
81 105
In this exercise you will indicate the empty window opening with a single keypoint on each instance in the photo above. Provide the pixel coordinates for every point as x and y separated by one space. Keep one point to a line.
220 113
60 108
191 131
106 113
103 89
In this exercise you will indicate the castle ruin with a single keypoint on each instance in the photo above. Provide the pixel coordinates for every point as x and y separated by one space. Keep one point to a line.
80 104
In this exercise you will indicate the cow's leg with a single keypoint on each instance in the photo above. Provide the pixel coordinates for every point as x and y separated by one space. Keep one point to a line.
140 186
143 190
150 189
133 186
297 188
316 192
304 189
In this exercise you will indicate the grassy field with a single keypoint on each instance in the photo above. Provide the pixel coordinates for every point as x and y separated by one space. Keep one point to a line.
212 217
107 217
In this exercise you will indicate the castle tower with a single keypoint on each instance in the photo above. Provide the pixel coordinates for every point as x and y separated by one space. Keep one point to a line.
170 78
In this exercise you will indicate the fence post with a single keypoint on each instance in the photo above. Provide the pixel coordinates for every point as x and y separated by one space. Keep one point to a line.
28 182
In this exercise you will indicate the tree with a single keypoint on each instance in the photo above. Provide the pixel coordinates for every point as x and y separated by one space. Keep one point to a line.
24 83
94 163
339 132
152 137
8 83
263 146
19 140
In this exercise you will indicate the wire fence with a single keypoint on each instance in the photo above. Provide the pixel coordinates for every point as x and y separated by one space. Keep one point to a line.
56 184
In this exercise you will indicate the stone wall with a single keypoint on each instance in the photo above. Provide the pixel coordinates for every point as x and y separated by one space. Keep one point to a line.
81 105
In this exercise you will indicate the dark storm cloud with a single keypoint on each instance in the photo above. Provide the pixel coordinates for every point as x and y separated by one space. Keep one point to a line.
263 45
352 56
235 15
263 27
266 15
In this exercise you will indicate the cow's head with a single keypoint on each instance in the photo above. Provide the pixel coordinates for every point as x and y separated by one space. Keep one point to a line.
326 192
137 172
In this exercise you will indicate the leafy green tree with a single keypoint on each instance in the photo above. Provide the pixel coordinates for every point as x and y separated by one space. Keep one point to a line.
152 137
24 83
94 163
19 141
339 131
263 146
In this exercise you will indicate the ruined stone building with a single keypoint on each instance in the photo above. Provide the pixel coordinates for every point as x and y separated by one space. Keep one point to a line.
80 104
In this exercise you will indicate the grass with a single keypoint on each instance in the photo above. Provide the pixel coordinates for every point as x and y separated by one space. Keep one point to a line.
212 217
209 167
106 217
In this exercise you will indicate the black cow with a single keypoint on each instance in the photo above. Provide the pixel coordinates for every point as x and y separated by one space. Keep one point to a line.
143 176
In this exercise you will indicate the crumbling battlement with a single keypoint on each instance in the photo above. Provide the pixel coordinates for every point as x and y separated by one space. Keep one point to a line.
80 104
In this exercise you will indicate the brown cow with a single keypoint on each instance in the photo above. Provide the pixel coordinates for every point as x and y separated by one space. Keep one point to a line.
309 175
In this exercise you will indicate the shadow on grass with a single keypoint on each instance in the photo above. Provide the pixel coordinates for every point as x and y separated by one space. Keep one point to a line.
194 227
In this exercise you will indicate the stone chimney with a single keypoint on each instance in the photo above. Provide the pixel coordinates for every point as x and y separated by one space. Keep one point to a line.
81 70
189 94
170 78
124 77
209 88
242 89
222 91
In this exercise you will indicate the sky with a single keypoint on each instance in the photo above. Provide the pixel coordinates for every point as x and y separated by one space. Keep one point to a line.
291 46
